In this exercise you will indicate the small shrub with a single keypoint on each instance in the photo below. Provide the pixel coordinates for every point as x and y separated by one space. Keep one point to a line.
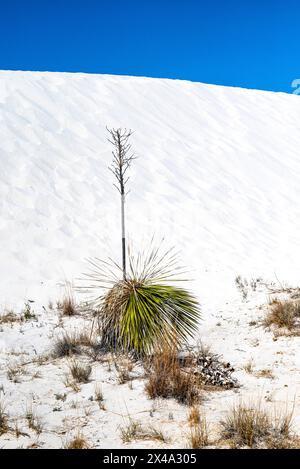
283 314
80 372
167 379
28 313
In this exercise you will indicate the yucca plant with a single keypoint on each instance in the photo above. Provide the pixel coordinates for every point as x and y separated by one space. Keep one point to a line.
145 310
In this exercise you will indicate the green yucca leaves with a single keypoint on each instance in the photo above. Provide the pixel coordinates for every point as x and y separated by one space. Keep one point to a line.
143 311
155 314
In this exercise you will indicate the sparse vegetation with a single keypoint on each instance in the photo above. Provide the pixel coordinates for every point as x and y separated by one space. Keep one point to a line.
135 431
283 313
28 312
3 419
80 372
78 442
244 286
67 305
9 317
167 379
99 397
194 415
15 371
66 345
198 436
249 366
254 427
33 420
124 368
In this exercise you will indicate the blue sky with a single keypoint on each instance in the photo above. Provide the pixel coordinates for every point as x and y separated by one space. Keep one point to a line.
253 44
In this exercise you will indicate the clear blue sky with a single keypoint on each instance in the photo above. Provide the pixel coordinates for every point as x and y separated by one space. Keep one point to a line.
254 44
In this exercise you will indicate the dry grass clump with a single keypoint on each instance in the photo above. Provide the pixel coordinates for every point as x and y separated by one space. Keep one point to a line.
68 306
15 371
124 367
78 442
198 436
9 317
194 415
283 314
254 427
34 421
80 372
65 345
3 419
135 431
265 373
99 397
167 379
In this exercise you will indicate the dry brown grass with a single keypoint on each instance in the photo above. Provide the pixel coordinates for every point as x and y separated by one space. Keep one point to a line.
135 431
124 367
78 442
66 345
265 373
198 436
252 426
68 306
3 419
80 372
34 421
99 397
167 379
194 415
283 314
9 317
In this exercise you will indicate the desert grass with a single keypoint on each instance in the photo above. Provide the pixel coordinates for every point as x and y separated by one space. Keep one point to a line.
99 396
33 420
80 372
283 313
194 415
167 379
9 317
198 436
124 367
252 426
135 431
15 371
77 442
3 419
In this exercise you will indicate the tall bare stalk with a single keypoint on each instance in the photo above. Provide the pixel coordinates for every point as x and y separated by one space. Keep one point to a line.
122 158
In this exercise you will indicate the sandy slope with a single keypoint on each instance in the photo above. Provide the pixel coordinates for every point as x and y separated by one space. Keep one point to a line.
217 176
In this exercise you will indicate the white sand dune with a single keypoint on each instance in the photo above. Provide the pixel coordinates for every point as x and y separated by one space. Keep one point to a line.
217 176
